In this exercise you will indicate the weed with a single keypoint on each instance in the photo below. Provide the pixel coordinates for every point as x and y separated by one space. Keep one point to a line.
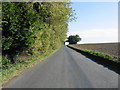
105 56
14 69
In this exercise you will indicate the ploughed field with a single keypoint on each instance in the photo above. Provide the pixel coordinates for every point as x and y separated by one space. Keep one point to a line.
106 48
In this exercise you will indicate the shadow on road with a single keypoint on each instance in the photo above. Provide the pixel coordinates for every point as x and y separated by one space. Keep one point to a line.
105 62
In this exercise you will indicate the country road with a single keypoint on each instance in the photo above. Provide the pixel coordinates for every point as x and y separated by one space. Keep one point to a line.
66 69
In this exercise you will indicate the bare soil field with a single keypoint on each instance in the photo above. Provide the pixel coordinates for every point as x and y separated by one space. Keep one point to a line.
106 48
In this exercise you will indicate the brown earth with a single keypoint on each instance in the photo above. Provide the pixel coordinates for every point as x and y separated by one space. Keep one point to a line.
106 48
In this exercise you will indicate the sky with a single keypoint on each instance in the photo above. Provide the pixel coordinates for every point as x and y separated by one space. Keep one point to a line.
97 22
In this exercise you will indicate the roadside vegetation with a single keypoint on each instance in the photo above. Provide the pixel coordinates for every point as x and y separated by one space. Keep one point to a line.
105 56
30 31
11 70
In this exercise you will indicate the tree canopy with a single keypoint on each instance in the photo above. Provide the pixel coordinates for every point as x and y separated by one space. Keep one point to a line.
73 39
34 27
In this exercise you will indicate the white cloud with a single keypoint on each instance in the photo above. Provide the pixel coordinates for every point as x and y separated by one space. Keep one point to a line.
95 0
97 35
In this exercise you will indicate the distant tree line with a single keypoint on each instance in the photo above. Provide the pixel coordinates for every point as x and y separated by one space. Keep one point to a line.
34 28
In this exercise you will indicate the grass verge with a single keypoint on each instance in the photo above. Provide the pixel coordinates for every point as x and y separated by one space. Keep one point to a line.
105 56
16 69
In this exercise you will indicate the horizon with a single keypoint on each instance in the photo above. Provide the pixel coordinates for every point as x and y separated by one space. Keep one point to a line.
97 22
66 43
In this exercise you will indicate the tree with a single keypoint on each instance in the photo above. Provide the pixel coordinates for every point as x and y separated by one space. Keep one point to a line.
33 28
73 39
16 34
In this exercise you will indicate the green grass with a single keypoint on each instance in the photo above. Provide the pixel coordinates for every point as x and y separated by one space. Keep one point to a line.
0 70
105 56
16 69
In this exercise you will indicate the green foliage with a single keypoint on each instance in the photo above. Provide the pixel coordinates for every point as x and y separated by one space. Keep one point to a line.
6 60
33 27
16 34
11 70
105 56
73 39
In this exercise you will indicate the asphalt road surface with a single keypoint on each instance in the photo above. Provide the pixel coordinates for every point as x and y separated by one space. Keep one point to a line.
66 69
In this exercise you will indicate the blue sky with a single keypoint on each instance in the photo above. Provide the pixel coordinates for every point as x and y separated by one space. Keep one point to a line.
96 22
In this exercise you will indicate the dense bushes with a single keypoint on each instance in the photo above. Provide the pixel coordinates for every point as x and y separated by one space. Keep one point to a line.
33 27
